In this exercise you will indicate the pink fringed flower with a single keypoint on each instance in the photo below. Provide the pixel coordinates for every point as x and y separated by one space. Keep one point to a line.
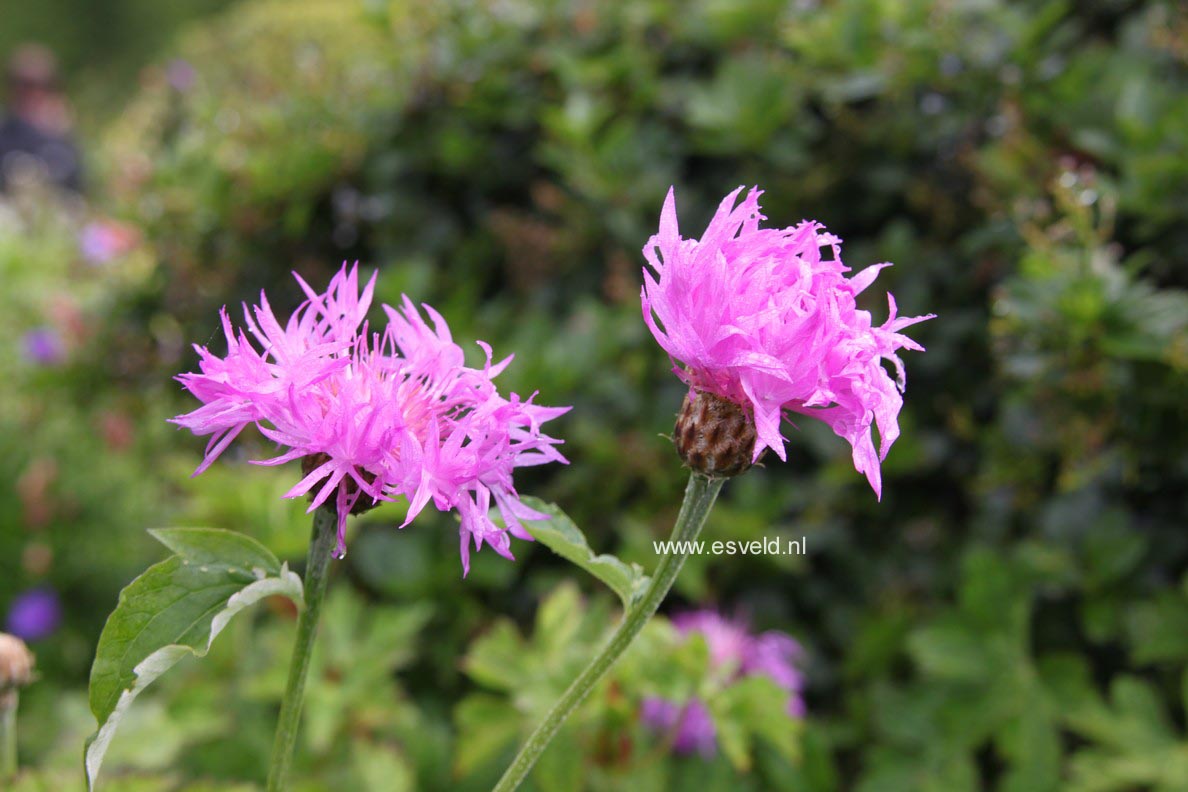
375 415
758 317
734 654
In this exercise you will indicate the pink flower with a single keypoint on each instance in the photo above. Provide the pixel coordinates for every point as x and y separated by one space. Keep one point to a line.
759 317
734 653
102 241
374 415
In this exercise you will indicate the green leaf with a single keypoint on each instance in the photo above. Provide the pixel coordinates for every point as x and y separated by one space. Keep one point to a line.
951 650
1133 743
1031 744
1159 628
558 619
218 547
560 535
381 768
754 707
175 608
495 657
1067 682
735 742
487 726
993 594
559 768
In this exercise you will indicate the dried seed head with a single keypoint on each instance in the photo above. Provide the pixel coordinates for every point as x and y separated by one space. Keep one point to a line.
16 665
365 503
714 436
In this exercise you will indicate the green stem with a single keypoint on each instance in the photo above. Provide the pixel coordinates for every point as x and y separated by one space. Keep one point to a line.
8 735
321 548
699 499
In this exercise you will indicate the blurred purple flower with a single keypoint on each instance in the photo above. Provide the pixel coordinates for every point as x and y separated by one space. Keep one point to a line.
691 725
101 241
35 614
43 346
734 653
181 75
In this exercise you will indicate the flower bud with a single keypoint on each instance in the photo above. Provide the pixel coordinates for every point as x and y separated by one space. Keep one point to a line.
16 666
714 436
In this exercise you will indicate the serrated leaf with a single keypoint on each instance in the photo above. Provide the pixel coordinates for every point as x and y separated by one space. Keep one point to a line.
175 608
560 535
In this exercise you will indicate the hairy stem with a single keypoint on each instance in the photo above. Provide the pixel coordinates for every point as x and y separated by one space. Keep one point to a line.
8 735
321 549
699 499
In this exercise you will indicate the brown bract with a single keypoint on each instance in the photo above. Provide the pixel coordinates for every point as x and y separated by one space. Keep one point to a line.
714 436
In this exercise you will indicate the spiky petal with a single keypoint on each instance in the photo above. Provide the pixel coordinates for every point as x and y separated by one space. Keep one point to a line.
766 318
373 415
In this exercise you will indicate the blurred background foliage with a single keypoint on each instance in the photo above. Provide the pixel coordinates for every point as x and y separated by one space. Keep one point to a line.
1012 616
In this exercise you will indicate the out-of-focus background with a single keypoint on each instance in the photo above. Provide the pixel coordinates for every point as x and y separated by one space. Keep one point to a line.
1013 615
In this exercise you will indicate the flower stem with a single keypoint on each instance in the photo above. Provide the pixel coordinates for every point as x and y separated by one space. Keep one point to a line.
321 548
8 735
699 499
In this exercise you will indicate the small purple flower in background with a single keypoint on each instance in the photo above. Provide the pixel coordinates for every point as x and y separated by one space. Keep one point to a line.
759 318
181 75
102 241
376 415
35 614
43 346
734 653
691 725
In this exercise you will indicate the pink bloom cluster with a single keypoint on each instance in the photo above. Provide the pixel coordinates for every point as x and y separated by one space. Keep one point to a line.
378 415
734 653
759 317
